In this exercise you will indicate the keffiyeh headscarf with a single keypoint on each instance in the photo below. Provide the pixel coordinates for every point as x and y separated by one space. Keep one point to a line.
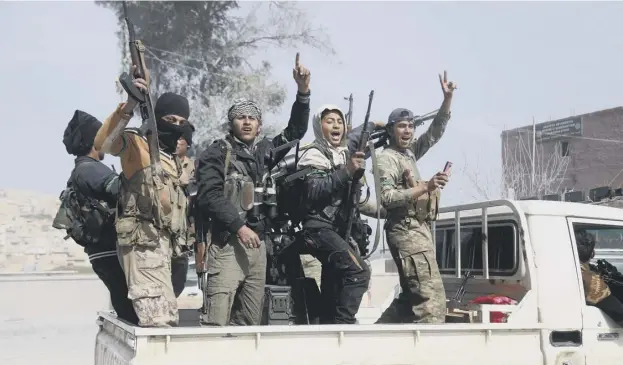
244 107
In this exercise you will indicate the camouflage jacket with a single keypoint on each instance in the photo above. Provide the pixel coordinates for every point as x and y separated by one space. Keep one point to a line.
395 195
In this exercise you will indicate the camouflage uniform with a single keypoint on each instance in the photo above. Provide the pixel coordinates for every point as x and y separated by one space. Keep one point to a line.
409 238
595 288
145 251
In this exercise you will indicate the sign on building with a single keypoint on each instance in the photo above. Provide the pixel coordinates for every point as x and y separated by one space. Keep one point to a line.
558 129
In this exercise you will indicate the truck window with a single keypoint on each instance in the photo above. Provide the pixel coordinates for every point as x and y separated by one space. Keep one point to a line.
503 248
608 241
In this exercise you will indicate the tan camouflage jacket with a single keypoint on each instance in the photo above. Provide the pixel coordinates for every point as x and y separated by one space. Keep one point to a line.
396 198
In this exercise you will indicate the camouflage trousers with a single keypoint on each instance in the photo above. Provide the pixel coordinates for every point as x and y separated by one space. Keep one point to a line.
312 268
422 298
146 263
236 278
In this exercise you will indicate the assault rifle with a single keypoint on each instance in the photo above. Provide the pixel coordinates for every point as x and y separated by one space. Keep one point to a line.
354 184
349 115
611 276
382 138
146 107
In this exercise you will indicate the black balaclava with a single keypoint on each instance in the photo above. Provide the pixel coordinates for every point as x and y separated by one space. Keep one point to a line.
188 133
80 133
169 133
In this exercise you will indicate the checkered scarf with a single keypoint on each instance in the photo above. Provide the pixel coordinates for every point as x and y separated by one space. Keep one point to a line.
244 107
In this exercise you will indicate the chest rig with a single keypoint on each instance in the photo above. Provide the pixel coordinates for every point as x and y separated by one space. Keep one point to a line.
425 208
332 210
238 187
144 210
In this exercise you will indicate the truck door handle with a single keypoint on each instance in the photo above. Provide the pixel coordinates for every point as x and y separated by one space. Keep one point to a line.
565 338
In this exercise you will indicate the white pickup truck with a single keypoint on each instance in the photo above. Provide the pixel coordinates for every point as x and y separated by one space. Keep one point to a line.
532 258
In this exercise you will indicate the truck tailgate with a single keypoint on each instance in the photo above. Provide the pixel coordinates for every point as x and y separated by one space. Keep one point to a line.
118 343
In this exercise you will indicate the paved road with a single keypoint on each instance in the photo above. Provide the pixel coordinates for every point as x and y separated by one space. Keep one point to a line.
49 322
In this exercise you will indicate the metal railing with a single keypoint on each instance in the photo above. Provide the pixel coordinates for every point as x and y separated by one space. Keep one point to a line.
483 207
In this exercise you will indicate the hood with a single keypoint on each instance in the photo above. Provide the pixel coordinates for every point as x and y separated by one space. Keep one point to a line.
317 124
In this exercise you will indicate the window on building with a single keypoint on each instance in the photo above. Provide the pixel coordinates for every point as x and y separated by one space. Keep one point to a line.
503 248
564 149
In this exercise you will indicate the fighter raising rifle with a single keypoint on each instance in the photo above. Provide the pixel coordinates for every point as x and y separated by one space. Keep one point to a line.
151 224
139 71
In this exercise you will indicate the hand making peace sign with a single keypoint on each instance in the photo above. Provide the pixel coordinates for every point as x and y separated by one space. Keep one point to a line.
447 87
301 75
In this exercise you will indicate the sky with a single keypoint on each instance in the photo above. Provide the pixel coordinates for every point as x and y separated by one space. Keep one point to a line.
512 61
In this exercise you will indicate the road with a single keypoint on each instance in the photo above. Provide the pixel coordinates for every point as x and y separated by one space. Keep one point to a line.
51 322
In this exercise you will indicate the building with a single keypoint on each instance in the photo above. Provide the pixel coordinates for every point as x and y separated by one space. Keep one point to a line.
572 154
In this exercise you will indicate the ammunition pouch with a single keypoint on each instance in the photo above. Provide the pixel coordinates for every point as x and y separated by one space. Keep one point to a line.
427 205
360 234
240 191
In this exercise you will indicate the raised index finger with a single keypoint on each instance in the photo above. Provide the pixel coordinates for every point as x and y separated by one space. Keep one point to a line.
297 61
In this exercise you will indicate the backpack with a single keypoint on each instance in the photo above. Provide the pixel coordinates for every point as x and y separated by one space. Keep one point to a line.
82 217
291 201
291 197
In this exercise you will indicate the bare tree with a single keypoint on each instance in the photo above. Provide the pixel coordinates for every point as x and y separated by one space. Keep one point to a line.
517 180
208 51
519 176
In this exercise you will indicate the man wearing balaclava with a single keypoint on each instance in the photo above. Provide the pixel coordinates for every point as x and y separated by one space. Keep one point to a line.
345 276
411 205
227 173
151 223
91 179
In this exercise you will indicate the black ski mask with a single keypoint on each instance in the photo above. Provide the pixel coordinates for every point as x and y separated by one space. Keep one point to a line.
169 133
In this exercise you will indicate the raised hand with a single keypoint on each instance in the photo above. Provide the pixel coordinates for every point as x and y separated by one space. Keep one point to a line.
447 87
301 75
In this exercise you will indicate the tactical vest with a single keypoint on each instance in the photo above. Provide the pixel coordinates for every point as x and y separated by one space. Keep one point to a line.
425 208
329 212
238 187
141 206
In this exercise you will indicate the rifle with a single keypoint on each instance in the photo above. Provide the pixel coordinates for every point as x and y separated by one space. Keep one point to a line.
382 137
611 276
146 107
200 259
349 115
353 185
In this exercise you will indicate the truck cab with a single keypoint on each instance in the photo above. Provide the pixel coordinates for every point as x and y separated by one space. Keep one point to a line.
531 257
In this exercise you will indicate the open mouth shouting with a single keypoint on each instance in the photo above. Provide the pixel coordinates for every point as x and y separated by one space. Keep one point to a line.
336 136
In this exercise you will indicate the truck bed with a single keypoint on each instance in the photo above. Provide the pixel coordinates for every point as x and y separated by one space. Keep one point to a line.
120 343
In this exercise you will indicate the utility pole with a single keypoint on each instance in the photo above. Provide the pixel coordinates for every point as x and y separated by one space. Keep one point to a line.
532 189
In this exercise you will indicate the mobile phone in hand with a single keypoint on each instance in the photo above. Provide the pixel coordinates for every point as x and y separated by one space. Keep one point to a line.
447 168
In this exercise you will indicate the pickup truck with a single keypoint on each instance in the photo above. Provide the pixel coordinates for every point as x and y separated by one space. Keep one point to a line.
531 258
